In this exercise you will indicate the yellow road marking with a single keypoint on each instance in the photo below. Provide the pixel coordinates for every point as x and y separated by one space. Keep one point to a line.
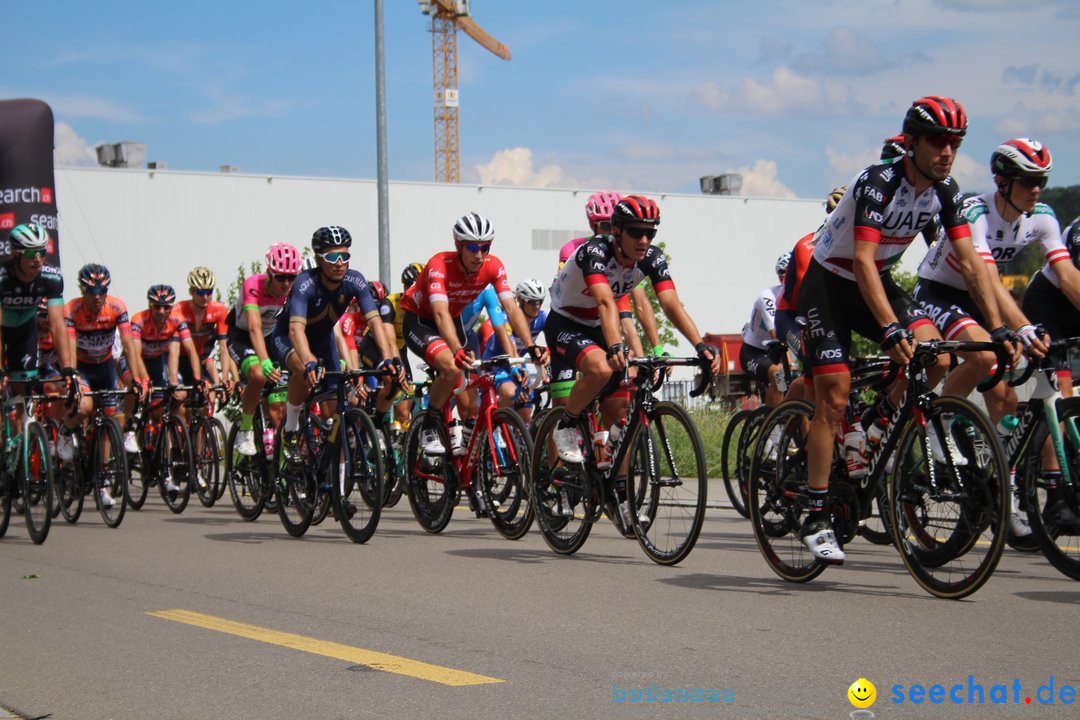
357 656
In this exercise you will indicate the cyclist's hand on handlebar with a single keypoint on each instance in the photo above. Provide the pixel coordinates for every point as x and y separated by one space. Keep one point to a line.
463 359
538 355
711 354
1005 337
1035 341
898 343
312 373
616 357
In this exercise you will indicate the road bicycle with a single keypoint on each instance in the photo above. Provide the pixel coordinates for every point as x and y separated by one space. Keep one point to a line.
666 482
337 466
251 477
947 491
493 471
26 473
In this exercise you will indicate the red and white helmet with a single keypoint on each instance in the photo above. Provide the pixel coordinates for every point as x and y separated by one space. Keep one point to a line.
600 205
1022 155
283 258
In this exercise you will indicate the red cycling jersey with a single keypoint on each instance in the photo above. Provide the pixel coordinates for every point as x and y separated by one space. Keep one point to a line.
155 340
94 334
443 279
213 325
800 260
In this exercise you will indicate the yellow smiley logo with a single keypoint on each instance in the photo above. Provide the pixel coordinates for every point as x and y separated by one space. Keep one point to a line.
862 693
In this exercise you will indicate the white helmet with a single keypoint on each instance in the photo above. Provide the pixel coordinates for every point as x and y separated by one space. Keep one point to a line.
530 291
30 236
473 228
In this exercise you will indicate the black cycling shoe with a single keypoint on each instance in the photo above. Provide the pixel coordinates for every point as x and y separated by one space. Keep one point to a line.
1060 517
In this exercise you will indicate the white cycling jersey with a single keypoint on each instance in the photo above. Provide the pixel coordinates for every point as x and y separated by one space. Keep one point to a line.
995 239
1070 239
759 330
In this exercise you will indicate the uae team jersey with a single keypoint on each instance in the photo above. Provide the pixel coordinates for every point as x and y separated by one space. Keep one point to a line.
444 280
880 206
995 240
594 263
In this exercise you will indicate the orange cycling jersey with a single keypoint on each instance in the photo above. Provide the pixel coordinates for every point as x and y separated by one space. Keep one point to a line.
213 325
155 341
94 333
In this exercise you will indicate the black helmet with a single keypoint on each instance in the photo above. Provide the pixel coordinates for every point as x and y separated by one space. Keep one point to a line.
161 295
94 278
330 236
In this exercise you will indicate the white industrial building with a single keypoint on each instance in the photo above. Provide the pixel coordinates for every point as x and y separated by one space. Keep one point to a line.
152 226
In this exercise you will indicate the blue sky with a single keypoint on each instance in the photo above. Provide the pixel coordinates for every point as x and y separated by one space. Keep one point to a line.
601 93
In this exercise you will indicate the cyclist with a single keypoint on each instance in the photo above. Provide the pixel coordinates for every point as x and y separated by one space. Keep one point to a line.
759 330
92 321
433 307
1052 300
206 320
598 209
363 348
251 320
303 338
582 329
847 286
32 312
530 298
403 410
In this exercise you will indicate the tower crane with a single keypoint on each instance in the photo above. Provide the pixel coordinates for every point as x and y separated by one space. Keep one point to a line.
447 16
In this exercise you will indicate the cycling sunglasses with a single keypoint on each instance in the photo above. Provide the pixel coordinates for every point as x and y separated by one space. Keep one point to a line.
639 232
335 258
284 277
1030 182
477 247
33 254
203 293
940 141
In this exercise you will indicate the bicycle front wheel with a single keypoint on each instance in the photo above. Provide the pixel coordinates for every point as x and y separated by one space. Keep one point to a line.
245 477
729 462
37 482
778 502
503 473
178 465
357 492
1052 510
217 428
667 484
949 497
564 497
296 489
205 454
110 473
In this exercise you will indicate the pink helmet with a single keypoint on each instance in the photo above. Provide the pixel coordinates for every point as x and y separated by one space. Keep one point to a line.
283 258
600 206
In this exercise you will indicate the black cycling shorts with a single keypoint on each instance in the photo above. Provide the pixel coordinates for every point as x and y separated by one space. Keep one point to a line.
950 309
1046 305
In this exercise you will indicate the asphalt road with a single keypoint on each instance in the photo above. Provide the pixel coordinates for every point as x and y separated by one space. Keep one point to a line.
251 623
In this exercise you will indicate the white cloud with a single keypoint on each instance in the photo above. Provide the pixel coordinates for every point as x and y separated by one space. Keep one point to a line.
88 106
847 165
514 166
1026 121
70 149
972 175
786 90
761 181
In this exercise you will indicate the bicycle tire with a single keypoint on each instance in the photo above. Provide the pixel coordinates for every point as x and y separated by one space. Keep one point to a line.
744 451
554 482
432 480
205 453
774 483
950 521
110 470
70 484
876 517
220 435
677 484
245 476
358 496
138 485
393 466
729 457
1061 548
503 473
177 464
36 473
295 486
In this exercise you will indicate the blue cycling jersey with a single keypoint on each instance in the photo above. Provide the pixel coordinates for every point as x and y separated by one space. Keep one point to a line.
488 300
319 307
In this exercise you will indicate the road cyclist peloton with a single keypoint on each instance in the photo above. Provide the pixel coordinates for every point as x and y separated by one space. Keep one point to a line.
303 338
847 287
433 306
250 322
583 330
1002 222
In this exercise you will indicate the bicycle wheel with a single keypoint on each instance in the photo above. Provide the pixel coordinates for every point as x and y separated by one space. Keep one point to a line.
503 473
295 487
205 453
110 471
358 494
69 483
729 458
564 497
393 465
950 520
777 497
745 449
667 485
1059 542
7 487
177 464
875 525
37 482
245 477
218 429
138 484
432 479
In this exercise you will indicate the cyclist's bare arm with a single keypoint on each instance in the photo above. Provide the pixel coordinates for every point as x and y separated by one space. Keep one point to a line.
133 353
187 346
298 338
676 313
645 315
444 322
977 277
172 362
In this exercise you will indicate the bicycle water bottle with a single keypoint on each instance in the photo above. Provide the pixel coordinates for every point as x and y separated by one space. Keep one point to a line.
268 443
457 437
602 449
854 442
1007 426
615 433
